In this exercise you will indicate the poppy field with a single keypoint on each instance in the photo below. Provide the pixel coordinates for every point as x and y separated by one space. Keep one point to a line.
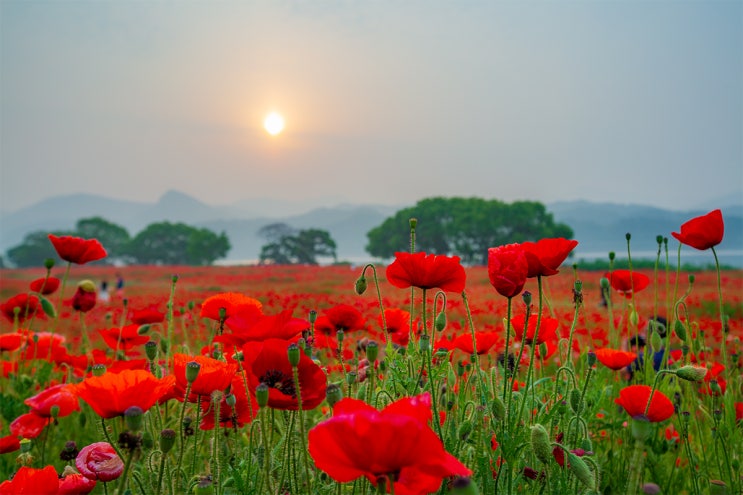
416 376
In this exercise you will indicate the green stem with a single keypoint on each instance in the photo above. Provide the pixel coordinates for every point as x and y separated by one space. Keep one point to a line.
125 474
302 434
723 334
182 434
476 358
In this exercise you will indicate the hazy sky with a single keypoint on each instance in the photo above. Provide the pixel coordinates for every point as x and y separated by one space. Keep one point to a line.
384 101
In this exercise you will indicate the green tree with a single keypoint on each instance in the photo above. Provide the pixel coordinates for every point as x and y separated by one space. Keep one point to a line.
114 238
288 246
465 227
34 249
166 243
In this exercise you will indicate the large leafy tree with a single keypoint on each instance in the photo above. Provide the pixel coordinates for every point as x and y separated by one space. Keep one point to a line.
289 246
465 227
166 243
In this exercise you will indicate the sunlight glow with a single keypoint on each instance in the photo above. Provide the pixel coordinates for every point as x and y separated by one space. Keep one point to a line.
274 123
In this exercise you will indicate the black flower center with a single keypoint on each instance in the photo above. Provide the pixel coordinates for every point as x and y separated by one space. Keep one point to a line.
280 381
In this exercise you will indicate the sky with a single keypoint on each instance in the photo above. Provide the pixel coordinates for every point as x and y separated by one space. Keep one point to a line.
385 102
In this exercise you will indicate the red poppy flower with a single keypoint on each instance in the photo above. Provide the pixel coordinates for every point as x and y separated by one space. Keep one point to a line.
11 341
634 400
38 346
98 461
63 396
398 325
30 481
29 425
426 271
85 297
146 316
9 443
507 269
124 338
625 281
485 342
229 417
258 326
213 375
341 317
75 484
702 232
232 303
45 286
615 359
547 328
111 394
267 362
77 250
28 307
394 443
546 255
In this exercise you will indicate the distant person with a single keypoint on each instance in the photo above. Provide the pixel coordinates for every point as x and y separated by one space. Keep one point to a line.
119 285
103 294
637 344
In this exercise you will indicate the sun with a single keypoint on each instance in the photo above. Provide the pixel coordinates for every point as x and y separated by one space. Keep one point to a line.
274 123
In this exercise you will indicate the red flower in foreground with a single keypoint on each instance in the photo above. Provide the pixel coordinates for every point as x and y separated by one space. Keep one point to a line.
625 282
111 394
485 341
11 341
30 481
507 269
702 232
614 359
634 400
426 271
546 255
98 461
45 286
547 328
213 375
77 250
267 362
75 484
395 443
9 443
340 317
27 306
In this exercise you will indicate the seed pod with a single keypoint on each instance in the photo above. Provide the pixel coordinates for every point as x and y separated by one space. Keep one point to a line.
581 470
540 443
691 373
498 408
575 402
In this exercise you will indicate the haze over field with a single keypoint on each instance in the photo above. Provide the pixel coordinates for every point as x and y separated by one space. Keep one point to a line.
382 103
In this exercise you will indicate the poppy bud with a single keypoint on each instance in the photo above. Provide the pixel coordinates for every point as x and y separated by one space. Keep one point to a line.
98 369
48 307
526 297
659 239
581 470
604 282
261 394
692 278
575 402
312 316
655 341
587 445
464 430
612 255
498 409
360 286
150 349
540 443
372 351
451 376
440 322
424 344
413 223
628 236
49 263
293 353
192 371
591 359
333 394
463 486
143 329
543 349
85 298
691 373
133 417
634 318
230 400
680 329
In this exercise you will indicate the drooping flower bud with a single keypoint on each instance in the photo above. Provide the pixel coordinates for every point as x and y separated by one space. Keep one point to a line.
575 402
680 330
440 322
464 430
581 470
655 341
360 286
540 443
498 409
691 373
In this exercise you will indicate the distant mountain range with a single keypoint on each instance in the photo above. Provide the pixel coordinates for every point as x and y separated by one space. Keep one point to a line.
600 227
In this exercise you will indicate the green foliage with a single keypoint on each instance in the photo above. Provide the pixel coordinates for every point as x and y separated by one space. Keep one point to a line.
166 243
114 238
288 246
465 227
34 249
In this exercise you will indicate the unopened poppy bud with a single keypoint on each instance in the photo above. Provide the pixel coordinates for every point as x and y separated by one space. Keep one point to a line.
451 376
312 317
655 341
293 353
174 278
133 417
498 409
351 377
543 349
150 349
261 394
192 371
540 443
463 486
659 239
372 351
604 282
575 402
526 297
54 411
49 263
691 373
714 386
460 369
440 322
464 430
680 330
333 394
587 445
413 223
360 286
628 236
581 470
143 329
424 344
591 358
98 369
191 305
634 318
231 400
340 335
718 487
612 255
692 278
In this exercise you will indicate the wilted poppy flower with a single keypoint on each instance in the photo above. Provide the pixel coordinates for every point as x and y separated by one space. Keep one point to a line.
146 315
213 375
426 271
44 285
98 461
77 250
507 269
547 328
702 232
340 317
546 255
30 481
615 359
634 400
85 297
27 307
231 302
124 338
625 282
75 484
395 443
111 394
267 362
